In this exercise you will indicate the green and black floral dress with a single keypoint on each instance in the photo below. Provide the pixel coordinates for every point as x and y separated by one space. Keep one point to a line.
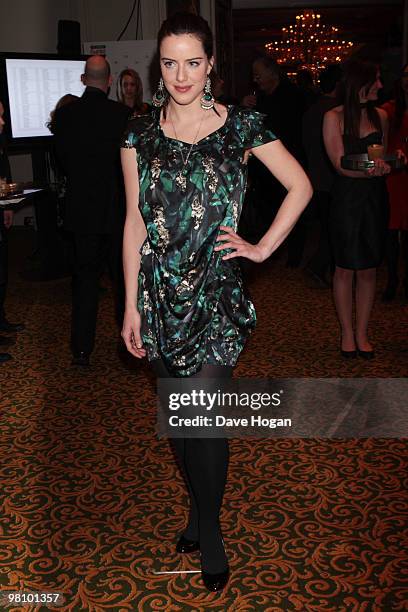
192 304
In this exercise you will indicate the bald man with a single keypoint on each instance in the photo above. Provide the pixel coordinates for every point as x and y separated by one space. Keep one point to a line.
87 138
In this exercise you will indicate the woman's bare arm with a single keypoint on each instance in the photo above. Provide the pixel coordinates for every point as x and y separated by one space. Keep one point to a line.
134 235
292 176
333 141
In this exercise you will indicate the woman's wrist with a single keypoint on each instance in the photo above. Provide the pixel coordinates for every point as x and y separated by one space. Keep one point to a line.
264 249
131 306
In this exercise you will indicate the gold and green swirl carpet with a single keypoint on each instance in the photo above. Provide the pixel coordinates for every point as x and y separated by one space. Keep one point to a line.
92 502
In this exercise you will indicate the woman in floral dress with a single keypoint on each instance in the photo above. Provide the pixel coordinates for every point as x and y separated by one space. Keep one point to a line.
185 175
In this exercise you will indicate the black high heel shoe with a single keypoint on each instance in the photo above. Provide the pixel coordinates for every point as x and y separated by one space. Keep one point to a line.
348 354
215 582
366 354
184 545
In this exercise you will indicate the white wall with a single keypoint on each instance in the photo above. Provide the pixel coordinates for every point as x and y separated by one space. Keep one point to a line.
104 19
31 26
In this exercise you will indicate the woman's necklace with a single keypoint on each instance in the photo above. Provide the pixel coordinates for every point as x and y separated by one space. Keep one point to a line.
181 179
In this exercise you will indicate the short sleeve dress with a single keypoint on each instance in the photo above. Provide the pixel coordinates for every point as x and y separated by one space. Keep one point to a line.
193 307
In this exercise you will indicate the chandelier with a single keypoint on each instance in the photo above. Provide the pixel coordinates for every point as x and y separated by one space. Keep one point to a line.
309 44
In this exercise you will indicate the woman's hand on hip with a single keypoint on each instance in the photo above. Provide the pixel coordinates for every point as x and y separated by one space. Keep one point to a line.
131 333
241 248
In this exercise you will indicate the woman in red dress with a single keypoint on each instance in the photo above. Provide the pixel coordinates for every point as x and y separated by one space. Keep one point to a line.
397 183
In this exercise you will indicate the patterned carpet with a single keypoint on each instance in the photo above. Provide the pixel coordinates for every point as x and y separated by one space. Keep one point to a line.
92 502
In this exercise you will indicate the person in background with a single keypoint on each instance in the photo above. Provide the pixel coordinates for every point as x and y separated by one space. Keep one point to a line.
129 91
186 308
358 210
307 88
59 175
6 220
397 183
279 99
87 138
67 99
320 169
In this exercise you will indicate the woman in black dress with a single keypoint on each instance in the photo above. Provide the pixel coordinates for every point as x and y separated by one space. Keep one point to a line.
185 177
358 213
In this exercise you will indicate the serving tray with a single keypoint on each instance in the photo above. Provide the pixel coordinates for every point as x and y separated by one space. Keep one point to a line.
361 162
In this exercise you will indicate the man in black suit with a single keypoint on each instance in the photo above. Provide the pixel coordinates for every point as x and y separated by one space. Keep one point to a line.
280 100
320 170
88 133
6 220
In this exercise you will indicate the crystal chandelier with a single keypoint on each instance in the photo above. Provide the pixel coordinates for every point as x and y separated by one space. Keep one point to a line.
309 44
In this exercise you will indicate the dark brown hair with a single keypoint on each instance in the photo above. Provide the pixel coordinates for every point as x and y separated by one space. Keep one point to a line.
66 99
187 23
358 74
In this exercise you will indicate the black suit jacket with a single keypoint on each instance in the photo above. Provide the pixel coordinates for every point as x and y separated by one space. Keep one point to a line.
87 138
320 169
284 109
4 173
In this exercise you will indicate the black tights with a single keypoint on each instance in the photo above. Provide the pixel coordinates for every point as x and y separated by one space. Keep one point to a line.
204 465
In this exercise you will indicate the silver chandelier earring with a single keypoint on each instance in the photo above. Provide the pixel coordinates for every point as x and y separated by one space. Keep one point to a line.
207 99
159 97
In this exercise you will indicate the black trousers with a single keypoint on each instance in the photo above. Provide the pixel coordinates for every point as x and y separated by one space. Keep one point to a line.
90 257
3 266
